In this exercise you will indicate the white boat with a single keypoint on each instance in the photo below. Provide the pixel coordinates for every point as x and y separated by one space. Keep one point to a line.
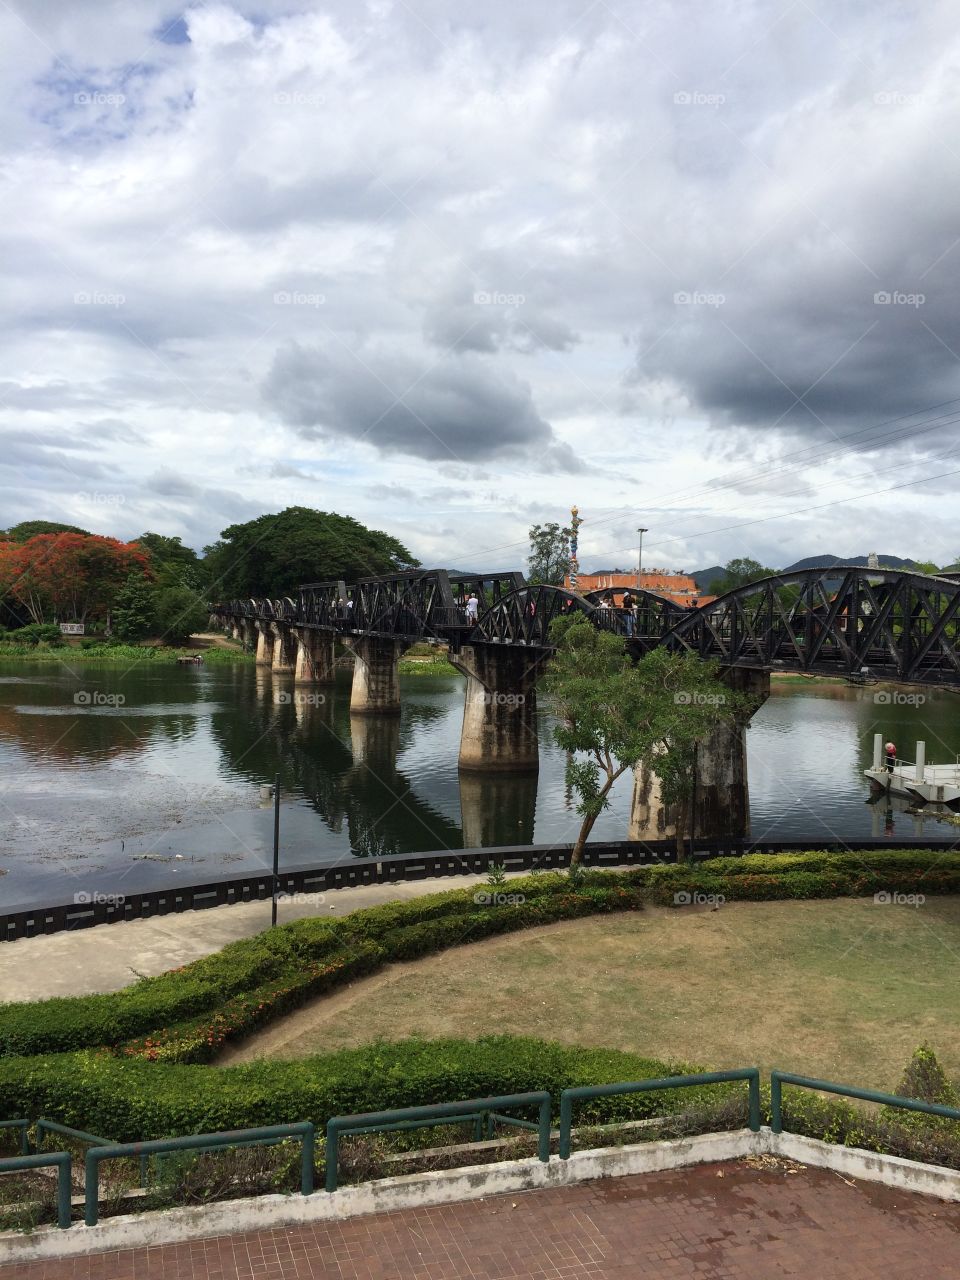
921 782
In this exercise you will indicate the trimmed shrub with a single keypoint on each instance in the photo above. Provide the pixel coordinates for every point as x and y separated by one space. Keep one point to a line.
131 1099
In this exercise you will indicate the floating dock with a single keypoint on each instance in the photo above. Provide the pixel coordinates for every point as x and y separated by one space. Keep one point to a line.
922 783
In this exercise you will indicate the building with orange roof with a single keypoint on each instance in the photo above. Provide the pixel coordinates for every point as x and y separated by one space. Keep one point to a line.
677 587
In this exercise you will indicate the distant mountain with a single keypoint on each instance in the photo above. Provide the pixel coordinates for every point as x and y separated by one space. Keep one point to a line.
827 562
704 577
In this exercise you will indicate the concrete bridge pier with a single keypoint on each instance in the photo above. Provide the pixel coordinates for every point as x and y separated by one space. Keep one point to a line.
500 709
721 799
284 648
376 679
248 634
265 644
316 656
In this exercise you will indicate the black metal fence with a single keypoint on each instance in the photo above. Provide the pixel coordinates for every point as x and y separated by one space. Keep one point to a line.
258 885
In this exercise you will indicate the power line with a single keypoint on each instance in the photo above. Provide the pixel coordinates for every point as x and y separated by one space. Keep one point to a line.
744 477
799 512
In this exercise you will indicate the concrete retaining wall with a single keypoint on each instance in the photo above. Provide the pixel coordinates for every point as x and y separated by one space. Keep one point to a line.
421 1190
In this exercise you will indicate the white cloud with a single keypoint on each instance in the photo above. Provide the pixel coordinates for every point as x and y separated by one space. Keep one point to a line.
644 238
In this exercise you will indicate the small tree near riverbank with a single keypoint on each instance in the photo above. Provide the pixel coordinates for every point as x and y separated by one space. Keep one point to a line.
615 713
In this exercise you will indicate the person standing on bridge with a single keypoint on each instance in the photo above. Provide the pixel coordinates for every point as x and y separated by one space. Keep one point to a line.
891 754
627 606
473 608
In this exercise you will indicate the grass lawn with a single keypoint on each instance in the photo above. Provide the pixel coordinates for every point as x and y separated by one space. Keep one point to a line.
843 989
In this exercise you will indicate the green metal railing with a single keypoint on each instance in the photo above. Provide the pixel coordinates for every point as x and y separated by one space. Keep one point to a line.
439 1113
267 1135
482 1113
59 1160
581 1092
53 1126
779 1078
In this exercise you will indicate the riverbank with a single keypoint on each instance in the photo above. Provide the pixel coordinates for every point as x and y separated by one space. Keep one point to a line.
69 654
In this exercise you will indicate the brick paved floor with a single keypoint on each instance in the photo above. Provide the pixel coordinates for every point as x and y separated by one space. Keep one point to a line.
714 1222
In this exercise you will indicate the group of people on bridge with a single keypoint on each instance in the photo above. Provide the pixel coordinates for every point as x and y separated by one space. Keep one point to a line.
627 606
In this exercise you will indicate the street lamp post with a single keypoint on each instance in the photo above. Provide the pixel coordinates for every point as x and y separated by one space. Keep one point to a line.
641 530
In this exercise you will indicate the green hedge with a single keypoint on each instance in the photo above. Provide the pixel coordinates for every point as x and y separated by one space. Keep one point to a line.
133 1099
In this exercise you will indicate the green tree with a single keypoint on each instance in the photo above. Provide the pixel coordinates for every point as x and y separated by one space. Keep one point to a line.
549 558
738 573
172 563
134 612
614 713
274 554
28 529
925 566
180 613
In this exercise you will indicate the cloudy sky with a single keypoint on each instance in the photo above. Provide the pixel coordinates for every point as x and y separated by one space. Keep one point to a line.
451 267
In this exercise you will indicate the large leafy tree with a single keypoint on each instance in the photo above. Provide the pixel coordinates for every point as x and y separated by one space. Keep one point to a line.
274 554
27 529
614 712
173 564
179 613
60 577
134 615
738 573
549 558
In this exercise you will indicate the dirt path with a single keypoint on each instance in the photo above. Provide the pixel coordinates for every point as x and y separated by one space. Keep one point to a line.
214 640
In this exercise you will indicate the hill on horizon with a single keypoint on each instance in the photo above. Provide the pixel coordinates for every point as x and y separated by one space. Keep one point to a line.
704 577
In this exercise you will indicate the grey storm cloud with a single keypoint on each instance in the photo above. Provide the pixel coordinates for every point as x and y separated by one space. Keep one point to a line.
458 409
631 251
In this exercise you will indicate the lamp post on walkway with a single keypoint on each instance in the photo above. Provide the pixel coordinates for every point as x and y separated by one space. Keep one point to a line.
641 530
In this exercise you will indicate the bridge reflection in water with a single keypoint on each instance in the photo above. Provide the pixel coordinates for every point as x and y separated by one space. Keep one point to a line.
345 766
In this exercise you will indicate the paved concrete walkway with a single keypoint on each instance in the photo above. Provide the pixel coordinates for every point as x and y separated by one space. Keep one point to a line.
111 956
713 1222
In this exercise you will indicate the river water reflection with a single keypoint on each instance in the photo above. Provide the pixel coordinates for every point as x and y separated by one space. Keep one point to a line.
172 784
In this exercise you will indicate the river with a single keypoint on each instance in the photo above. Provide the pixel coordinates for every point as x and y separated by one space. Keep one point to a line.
171 785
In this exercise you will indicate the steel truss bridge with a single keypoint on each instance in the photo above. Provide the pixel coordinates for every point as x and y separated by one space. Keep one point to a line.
900 626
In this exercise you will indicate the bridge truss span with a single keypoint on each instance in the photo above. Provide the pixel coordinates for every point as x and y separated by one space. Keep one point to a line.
846 620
